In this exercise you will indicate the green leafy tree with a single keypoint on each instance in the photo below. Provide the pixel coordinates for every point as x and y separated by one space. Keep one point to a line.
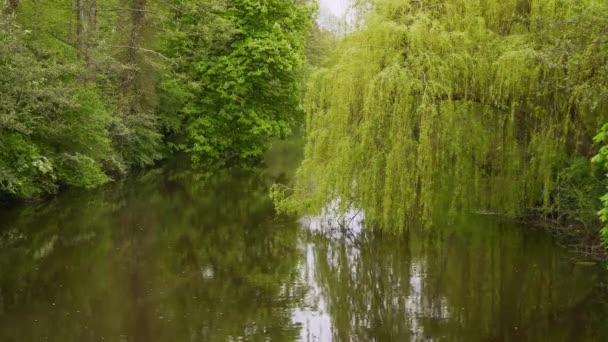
443 107
238 78
51 129
93 88
602 159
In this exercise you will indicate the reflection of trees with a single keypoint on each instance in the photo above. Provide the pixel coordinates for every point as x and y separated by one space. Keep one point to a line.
484 281
170 255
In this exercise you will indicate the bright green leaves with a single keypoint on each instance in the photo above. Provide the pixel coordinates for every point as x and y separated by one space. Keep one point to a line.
89 93
241 85
601 158
455 107
80 171
23 171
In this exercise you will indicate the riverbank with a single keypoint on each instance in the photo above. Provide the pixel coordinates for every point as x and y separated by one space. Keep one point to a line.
585 244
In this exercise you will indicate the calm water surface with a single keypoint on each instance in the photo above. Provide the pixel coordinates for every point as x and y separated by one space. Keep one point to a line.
174 255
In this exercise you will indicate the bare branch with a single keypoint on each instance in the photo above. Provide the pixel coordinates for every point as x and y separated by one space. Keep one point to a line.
63 40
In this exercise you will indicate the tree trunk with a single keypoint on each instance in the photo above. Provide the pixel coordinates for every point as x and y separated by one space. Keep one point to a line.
91 40
137 27
80 31
11 6
92 22
86 32
137 90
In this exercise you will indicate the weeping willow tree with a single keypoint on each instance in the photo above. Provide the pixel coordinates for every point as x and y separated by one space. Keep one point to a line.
438 106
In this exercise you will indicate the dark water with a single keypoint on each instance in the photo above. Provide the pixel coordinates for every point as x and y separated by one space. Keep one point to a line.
174 255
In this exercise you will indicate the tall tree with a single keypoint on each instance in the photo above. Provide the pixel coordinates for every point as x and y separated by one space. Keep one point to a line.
450 106
136 133
239 78
80 95
86 36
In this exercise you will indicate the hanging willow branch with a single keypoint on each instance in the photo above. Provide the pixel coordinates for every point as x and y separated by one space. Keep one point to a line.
452 111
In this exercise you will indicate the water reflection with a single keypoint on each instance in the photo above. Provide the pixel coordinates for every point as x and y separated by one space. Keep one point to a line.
170 256
486 280
176 255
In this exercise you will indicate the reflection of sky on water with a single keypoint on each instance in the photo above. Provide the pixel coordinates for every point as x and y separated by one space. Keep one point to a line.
347 229
313 317
419 309
171 256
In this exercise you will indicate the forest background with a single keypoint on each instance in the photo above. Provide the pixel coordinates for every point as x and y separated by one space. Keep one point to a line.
413 110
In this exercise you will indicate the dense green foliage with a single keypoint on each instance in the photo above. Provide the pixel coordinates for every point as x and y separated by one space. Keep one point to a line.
239 86
602 159
51 129
458 106
90 89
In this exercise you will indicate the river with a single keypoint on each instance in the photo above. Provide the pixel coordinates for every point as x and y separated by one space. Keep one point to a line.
171 254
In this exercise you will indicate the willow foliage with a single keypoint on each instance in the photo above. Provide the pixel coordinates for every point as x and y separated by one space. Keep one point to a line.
455 105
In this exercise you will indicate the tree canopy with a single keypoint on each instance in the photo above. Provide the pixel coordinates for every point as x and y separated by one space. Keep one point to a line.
239 76
92 88
456 106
